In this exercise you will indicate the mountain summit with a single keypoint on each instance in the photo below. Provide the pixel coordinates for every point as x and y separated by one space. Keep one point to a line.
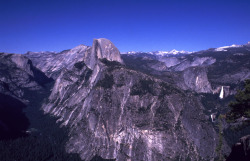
162 53
102 49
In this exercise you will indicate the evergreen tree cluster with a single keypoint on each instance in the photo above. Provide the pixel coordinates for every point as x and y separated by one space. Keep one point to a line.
241 106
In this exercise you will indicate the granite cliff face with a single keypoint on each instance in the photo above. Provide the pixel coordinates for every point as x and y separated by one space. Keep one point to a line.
136 106
203 72
18 78
18 74
101 49
52 63
118 113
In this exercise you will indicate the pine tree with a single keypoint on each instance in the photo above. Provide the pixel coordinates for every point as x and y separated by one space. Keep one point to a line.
241 106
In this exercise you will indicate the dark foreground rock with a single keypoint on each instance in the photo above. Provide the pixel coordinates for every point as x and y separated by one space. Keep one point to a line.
241 150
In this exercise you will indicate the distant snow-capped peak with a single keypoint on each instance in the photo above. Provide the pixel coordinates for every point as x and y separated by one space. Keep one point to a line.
224 48
174 52
130 52
162 53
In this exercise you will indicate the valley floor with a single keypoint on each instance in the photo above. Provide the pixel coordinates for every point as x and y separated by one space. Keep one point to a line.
44 138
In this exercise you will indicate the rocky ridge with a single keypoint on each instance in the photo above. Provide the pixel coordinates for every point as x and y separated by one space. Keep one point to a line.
18 79
133 106
118 113
217 68
52 63
18 75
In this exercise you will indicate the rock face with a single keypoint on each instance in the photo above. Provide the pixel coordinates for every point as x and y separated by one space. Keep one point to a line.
194 62
52 63
130 107
18 74
196 79
18 77
118 113
213 68
241 150
102 49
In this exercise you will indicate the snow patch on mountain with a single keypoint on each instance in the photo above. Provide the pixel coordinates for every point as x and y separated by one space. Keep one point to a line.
224 48
174 52
161 53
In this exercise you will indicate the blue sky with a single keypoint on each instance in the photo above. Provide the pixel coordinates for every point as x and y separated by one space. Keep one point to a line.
132 25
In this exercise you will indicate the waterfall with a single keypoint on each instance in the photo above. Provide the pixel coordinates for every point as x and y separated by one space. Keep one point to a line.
197 79
221 93
212 117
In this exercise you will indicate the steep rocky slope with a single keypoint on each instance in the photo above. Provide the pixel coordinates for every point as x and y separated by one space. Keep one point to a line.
18 74
203 72
51 63
136 106
18 77
119 113
215 75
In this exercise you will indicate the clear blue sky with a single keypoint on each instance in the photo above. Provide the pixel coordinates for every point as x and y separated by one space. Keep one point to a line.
138 25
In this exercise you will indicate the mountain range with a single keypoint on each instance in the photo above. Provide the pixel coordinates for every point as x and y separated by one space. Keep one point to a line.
132 106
